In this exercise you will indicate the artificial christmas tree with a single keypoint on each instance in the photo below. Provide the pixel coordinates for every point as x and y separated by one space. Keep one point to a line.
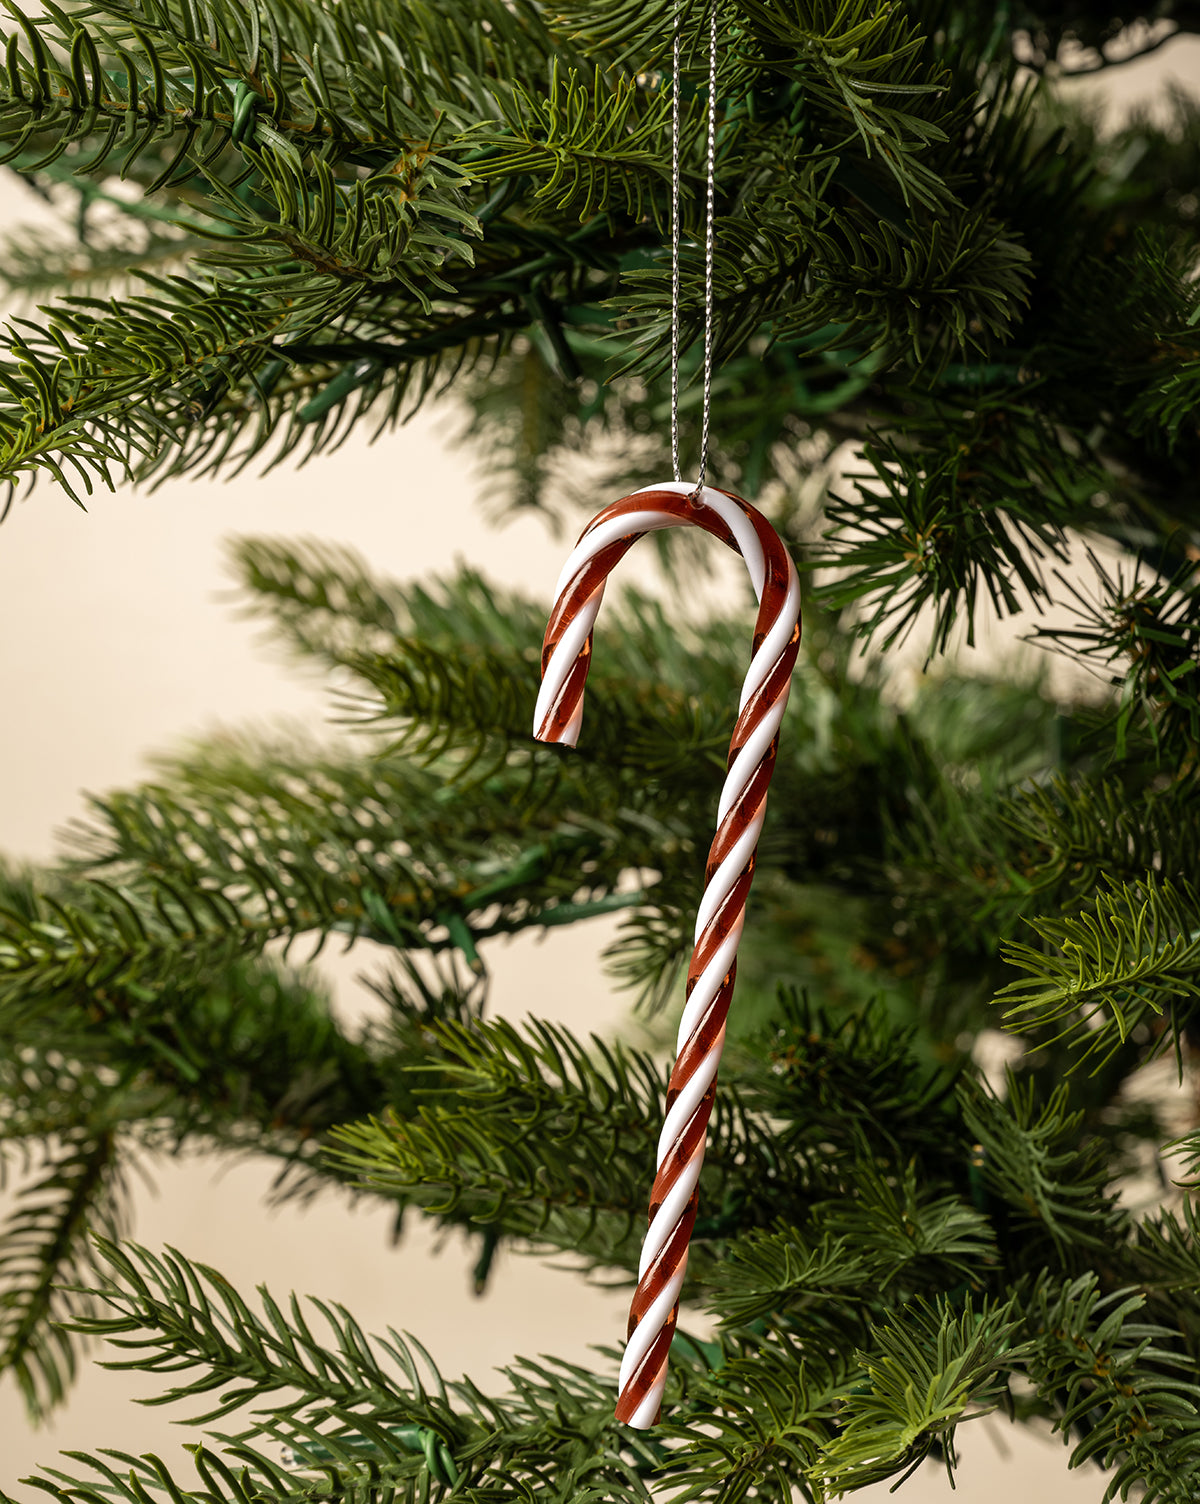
330 212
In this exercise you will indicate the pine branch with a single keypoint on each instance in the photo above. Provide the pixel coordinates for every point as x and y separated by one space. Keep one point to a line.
33 264
362 1405
224 76
243 1059
587 149
87 395
848 56
1154 624
761 271
43 1247
236 1056
849 1080
937 529
452 670
790 1414
965 278
144 105
1021 852
549 1140
161 1309
360 1400
120 947
1164 1262
1133 957
1054 1184
286 844
368 231
923 1378
768 1408
199 1034
887 1232
1116 1376
375 234
378 228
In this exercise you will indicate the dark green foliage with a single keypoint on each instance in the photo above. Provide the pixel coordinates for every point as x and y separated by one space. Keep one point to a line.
1133 1396
1031 1159
547 1140
43 1242
940 536
1154 624
392 212
1135 955
332 212
929 1371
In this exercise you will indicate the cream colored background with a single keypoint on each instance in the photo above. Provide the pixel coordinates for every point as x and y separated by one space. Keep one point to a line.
114 644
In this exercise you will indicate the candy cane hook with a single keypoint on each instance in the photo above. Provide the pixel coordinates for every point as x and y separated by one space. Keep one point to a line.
566 657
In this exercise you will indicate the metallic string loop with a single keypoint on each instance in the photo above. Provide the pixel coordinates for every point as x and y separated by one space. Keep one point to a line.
709 242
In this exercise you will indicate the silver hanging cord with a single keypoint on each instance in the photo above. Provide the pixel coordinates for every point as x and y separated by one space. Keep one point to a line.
675 252
708 238
708 246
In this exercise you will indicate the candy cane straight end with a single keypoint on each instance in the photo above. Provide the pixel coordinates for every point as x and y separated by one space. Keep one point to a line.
566 657
641 1411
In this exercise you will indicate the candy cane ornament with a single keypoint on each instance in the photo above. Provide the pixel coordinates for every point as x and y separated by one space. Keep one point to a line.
566 657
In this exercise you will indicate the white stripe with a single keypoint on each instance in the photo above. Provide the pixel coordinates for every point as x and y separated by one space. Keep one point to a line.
570 732
599 537
651 1325
708 984
779 633
724 879
745 764
743 530
567 650
645 1414
666 1218
684 1106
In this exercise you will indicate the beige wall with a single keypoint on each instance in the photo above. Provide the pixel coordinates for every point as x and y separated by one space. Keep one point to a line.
114 644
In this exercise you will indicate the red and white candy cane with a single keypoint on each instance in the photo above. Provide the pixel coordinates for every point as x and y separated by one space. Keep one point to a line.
566 656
